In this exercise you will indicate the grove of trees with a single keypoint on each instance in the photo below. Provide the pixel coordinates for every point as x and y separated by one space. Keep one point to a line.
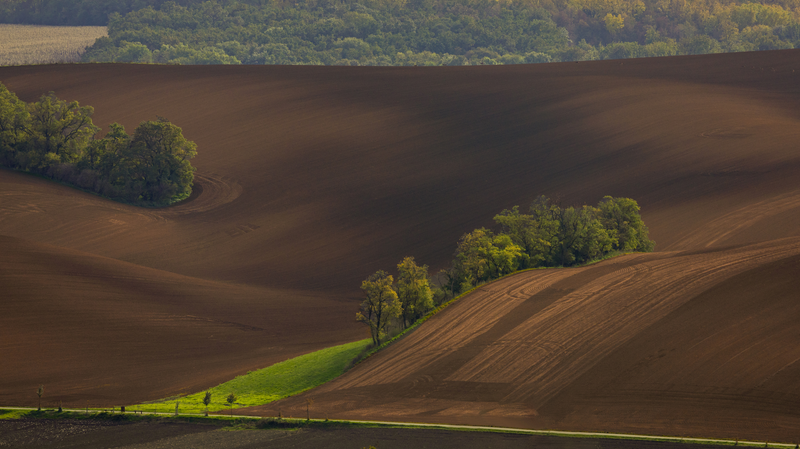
57 139
548 235
420 32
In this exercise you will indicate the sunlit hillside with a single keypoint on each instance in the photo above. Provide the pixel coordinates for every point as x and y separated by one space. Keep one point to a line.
310 179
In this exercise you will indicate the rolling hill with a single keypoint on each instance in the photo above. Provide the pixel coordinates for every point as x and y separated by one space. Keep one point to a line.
311 178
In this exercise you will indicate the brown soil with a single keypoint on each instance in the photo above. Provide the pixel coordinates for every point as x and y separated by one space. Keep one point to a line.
38 433
311 178
666 343
64 433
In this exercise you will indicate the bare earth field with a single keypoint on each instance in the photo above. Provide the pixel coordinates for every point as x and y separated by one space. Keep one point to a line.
311 178
158 435
39 44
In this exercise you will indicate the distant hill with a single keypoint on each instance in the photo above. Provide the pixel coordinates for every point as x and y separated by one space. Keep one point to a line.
416 32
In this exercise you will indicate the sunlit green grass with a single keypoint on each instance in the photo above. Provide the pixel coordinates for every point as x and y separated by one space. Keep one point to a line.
268 384
12 414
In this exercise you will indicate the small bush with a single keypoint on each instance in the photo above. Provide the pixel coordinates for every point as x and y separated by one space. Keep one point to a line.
277 423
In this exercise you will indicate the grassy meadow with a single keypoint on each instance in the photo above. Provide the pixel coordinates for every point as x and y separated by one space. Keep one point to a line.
268 384
35 44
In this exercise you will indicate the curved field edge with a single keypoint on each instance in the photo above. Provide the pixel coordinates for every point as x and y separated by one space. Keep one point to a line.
301 373
177 200
461 295
268 384
244 422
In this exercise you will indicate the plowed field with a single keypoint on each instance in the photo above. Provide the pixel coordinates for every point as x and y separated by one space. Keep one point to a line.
311 178
667 343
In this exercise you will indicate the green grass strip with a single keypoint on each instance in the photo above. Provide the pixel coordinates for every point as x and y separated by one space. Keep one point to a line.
269 384
300 373
13 414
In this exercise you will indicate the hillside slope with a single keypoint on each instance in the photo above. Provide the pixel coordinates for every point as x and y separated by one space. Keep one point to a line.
96 331
311 178
677 343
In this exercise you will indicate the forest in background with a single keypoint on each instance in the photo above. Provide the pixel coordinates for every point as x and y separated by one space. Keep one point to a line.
415 32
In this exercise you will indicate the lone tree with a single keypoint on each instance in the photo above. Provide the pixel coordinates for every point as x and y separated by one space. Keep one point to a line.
413 290
231 399
39 393
156 163
207 400
381 305
309 401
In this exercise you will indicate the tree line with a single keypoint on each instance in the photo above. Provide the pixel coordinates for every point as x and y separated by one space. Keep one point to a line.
72 12
415 32
57 139
439 32
548 235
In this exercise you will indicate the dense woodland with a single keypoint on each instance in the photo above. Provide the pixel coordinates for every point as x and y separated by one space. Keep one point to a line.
415 32
548 235
57 139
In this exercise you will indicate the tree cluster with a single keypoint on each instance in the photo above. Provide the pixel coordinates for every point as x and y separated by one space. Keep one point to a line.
72 12
57 139
439 32
547 236
349 33
404 302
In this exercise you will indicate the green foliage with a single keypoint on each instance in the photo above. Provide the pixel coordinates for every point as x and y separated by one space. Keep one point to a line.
620 217
207 400
481 255
430 32
230 400
751 14
699 45
57 139
380 306
57 131
14 414
183 54
548 236
349 33
269 384
413 290
156 163
14 117
529 233
471 257
133 52
761 37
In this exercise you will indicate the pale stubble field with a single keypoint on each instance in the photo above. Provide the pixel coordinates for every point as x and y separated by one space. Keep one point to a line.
36 44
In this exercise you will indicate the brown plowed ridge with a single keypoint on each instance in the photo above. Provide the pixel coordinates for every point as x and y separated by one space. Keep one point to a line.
617 346
311 178
97 331
209 191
